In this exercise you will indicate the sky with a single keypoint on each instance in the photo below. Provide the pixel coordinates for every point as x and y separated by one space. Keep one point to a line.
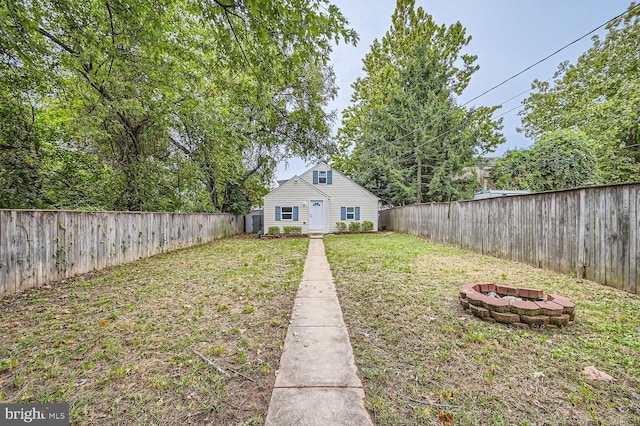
507 36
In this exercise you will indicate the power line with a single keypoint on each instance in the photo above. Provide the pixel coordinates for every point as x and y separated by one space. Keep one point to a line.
553 54
546 57
523 92
408 155
391 143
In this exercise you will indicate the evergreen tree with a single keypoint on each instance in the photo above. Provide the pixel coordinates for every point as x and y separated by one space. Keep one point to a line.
404 137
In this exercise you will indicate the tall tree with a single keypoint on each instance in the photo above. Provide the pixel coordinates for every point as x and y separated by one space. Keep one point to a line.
404 137
561 159
151 87
513 170
599 95
21 151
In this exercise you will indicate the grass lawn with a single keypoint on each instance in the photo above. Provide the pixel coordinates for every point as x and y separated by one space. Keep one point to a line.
142 343
423 360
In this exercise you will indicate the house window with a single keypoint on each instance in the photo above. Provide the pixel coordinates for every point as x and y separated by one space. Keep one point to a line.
324 177
349 213
287 213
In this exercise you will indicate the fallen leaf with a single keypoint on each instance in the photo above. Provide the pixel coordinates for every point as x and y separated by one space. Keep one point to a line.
445 418
594 374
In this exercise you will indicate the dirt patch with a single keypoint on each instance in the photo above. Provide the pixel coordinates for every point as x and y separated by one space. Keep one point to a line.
147 343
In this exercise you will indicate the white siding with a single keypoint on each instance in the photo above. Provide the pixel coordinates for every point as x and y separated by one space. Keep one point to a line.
299 191
344 192
292 193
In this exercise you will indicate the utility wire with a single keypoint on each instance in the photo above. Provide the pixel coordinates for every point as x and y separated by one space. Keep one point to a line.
533 65
391 143
553 54
408 155
611 119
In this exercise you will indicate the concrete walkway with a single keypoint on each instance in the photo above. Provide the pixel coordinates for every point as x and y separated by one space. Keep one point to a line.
317 382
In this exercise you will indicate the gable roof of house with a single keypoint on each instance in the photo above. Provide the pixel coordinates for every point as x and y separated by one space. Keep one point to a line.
294 179
315 188
363 189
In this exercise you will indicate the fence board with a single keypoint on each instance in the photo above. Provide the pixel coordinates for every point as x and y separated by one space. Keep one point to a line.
11 254
599 236
40 246
634 235
3 253
547 235
591 232
623 237
610 237
539 234
590 240
582 236
564 224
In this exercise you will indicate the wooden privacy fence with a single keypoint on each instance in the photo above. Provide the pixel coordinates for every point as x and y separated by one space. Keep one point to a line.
41 246
592 232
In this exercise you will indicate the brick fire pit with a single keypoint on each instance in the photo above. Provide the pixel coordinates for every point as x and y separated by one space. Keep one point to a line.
522 307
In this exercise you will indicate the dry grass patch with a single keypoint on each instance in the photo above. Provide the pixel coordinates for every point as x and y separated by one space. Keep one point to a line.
422 359
120 345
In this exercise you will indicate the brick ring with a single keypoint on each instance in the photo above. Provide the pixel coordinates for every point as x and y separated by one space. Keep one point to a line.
521 307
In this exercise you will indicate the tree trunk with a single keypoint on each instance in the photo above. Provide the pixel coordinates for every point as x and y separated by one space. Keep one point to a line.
419 183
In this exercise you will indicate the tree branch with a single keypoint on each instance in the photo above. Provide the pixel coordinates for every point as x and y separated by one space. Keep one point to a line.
225 6
57 41
235 36
181 147
261 162
113 31
208 361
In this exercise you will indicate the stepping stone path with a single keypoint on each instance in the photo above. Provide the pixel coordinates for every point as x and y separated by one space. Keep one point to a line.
317 383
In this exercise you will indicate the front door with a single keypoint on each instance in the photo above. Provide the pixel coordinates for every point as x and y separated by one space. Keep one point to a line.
316 222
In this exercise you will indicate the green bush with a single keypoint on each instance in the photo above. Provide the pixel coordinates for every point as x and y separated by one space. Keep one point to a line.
367 226
354 227
342 226
292 229
274 230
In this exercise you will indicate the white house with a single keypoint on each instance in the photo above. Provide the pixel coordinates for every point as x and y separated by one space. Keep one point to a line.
318 199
